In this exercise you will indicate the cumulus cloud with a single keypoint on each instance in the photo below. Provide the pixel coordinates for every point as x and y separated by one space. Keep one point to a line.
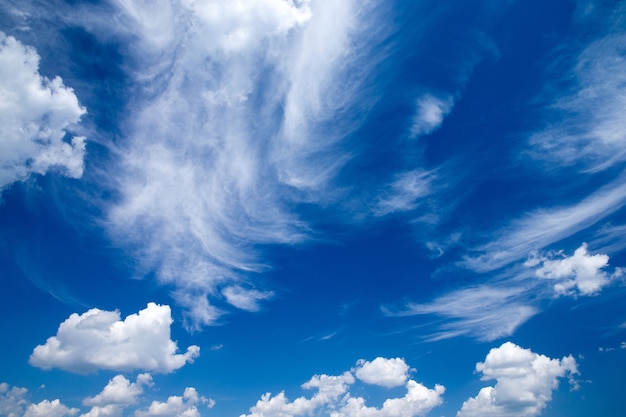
185 406
49 409
118 394
99 339
333 396
384 372
580 273
12 400
524 382
429 114
36 114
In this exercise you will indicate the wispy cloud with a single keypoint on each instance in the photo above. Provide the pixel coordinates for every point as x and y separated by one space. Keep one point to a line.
231 127
485 312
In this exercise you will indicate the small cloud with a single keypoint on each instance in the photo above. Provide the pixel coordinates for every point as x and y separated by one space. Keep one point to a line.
580 273
524 382
101 340
245 299
185 405
384 372
47 408
429 114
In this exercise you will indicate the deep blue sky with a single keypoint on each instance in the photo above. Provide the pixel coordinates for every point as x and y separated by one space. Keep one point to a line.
206 201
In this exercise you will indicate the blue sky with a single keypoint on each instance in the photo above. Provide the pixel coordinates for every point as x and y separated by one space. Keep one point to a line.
296 207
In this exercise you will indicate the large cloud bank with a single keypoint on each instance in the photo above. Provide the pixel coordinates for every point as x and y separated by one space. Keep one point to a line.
99 339
35 115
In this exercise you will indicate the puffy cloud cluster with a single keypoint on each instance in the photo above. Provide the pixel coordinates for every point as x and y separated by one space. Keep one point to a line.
13 403
525 382
580 273
114 401
35 115
333 396
183 406
99 339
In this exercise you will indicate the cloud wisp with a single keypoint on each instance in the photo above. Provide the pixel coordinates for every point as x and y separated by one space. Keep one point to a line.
36 118
99 339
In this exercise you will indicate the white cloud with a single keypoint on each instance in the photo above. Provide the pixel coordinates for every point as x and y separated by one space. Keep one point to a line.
333 397
120 390
543 227
100 340
429 114
223 136
590 128
404 193
12 400
384 372
185 406
525 381
245 299
35 115
49 409
485 312
580 273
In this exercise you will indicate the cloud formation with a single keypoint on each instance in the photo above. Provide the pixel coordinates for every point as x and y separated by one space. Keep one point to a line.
524 382
382 371
429 114
333 396
184 406
580 273
99 339
13 403
36 115
225 136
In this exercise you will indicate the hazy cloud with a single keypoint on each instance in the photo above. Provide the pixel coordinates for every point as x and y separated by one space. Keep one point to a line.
429 114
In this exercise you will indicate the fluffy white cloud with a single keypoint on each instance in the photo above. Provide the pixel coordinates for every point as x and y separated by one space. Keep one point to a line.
12 400
333 397
35 115
49 409
525 381
580 273
118 394
382 371
429 114
185 406
100 340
